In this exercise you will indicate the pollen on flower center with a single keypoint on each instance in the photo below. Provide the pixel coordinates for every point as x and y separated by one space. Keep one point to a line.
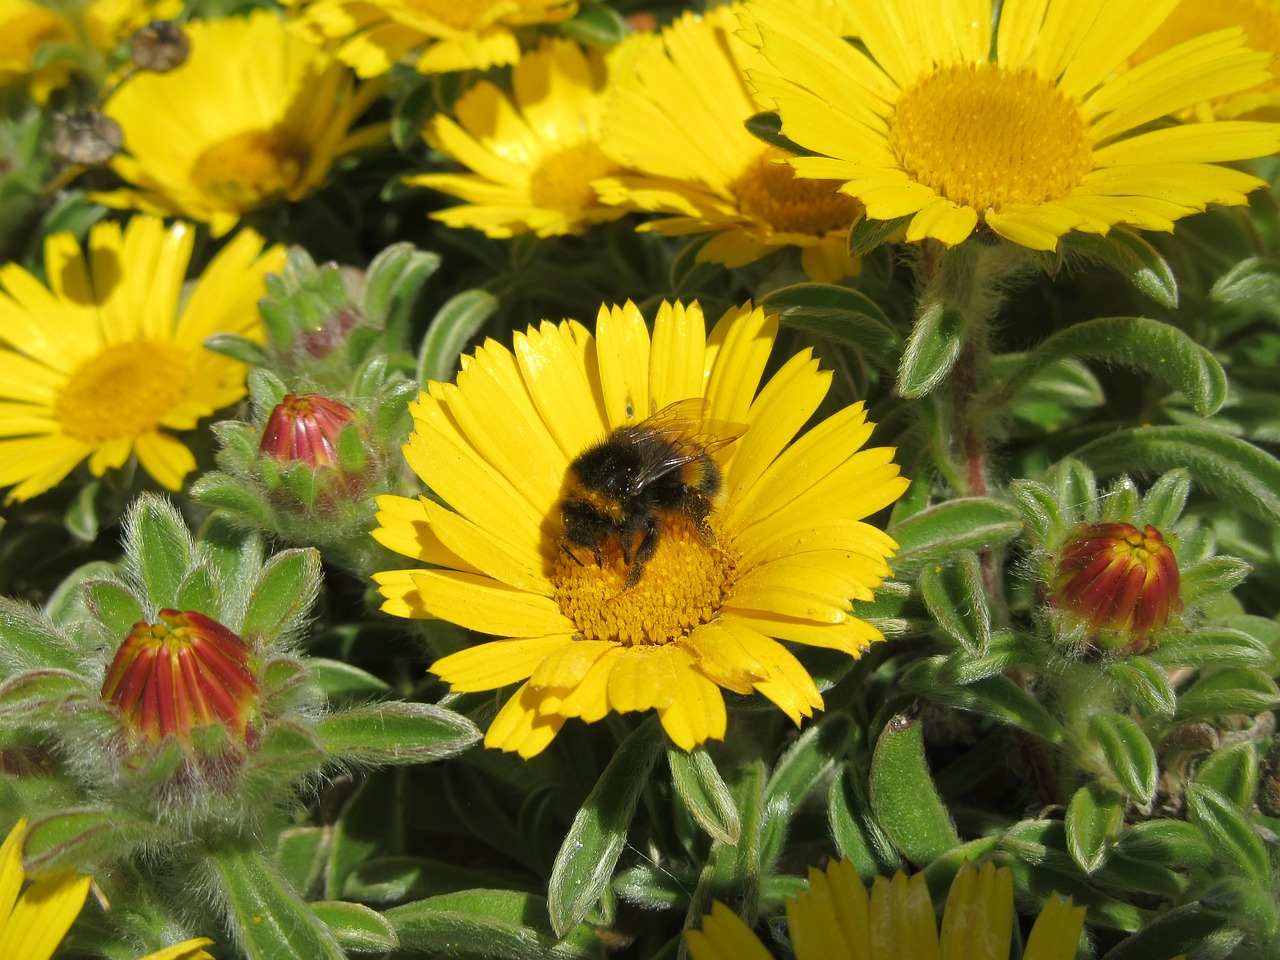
123 391
563 180
463 16
984 136
250 167
769 191
682 587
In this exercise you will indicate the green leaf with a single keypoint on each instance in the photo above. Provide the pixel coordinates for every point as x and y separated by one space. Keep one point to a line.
1219 647
1166 499
805 765
158 547
838 314
1229 690
300 857
1095 816
867 235
596 24
1038 882
768 127
356 927
1166 841
1181 931
1041 516
704 792
1159 349
393 281
857 835
1129 753
903 796
973 523
270 920
81 517
285 590
342 682
1233 772
1232 470
957 599
598 834
997 697
396 733
1228 830
1146 685
931 351
1131 257
29 641
1250 282
496 924
199 589
451 330
240 348
411 112
40 693
78 839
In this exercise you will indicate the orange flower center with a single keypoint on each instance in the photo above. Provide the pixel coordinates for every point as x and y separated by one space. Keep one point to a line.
563 180
682 587
986 136
769 192
250 167
125 390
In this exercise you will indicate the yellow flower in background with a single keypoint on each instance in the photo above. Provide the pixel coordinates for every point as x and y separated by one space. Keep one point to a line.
373 35
782 554
1194 18
1038 140
32 925
254 116
837 919
109 356
533 155
681 126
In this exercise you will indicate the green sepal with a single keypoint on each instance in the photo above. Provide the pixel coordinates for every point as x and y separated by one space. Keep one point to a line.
856 834
595 24
595 840
451 329
1129 753
1041 515
957 598
1074 484
300 857
767 126
931 350
704 793
199 590
1229 690
1165 500
1233 772
1120 502
866 235
1236 472
222 491
903 795
270 920
388 733
1146 684
40 694
28 640
1095 816
1130 256
342 682
158 547
282 595
79 838
357 928
973 523
287 753
498 924
1227 828
285 681
805 765
838 314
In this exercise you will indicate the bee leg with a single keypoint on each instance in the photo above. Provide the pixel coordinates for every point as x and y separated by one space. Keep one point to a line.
564 548
647 547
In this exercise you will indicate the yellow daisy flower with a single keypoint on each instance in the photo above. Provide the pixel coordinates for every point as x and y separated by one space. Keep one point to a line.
781 554
836 919
255 115
33 924
107 357
373 35
921 120
681 125
534 155
1194 18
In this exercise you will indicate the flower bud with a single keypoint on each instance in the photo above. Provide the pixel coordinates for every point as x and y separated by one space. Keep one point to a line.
183 673
1120 582
305 429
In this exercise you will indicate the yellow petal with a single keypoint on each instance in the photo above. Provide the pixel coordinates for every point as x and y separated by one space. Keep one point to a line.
488 606
498 663
519 728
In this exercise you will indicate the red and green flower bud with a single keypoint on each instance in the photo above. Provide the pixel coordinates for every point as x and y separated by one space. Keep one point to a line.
305 429
1122 583
184 673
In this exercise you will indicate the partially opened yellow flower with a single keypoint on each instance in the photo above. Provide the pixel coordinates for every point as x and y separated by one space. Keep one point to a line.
254 116
681 126
373 35
837 919
109 356
649 572
1261 22
1034 136
33 924
534 154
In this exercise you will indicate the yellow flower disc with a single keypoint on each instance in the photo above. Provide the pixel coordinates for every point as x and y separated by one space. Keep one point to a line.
770 192
123 391
983 136
562 181
250 167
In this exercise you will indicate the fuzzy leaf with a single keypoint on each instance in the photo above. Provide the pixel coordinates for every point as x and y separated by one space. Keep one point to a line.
158 547
342 682
1146 684
591 848
79 838
283 594
396 733
866 235
1250 282
238 348
1041 516
28 640
1133 258
1095 816
1129 753
768 127
974 523
903 795
300 857
839 314
1230 690
931 351
857 835
356 927
1239 473
957 599
1233 772
1166 499
451 329
993 696
596 24
393 280
1228 830
1180 932
1166 841
704 792
806 764
498 924
1220 647
39 694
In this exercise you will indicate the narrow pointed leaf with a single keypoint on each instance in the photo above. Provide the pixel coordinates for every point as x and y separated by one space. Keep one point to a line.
974 523
357 927
704 793
1228 830
396 733
1133 258
839 314
1129 753
451 330
931 351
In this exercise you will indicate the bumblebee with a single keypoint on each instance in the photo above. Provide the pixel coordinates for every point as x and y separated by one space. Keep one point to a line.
642 473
